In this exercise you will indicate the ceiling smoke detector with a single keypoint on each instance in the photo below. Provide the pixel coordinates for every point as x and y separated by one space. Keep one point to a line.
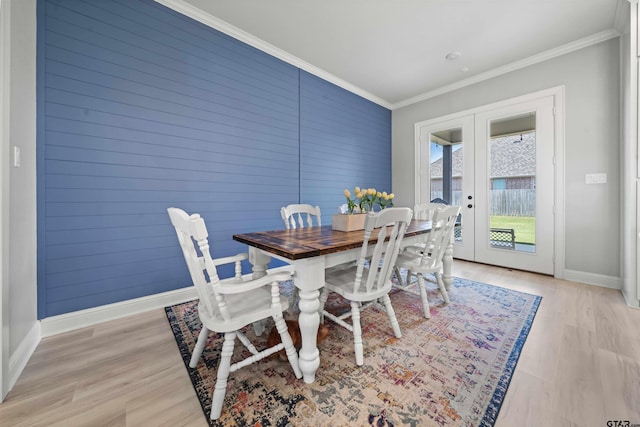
452 56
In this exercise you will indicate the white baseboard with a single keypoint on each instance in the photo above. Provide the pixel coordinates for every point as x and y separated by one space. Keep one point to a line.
18 360
82 318
593 279
79 319
631 302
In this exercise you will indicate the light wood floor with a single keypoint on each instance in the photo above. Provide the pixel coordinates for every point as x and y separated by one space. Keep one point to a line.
580 366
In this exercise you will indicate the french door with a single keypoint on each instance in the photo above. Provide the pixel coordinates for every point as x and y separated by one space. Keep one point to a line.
446 169
497 164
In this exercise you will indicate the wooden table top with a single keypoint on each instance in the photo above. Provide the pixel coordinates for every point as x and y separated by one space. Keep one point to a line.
309 242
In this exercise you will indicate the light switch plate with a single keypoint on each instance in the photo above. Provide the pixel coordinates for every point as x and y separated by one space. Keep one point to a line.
16 156
595 178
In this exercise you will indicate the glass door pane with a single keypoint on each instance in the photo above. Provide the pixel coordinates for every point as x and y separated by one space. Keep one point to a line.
512 183
446 171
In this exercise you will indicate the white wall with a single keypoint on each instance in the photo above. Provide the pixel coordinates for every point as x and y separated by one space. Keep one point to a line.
592 144
23 328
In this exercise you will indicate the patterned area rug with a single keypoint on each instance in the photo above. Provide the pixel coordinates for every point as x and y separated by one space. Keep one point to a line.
450 370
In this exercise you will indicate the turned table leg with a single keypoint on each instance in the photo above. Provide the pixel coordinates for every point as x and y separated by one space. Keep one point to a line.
309 278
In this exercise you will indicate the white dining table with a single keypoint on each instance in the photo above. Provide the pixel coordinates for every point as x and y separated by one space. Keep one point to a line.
310 251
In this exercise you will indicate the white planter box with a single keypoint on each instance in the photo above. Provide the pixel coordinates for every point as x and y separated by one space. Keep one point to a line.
350 222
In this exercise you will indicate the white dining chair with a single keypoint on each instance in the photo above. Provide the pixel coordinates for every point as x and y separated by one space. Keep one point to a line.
369 279
426 258
426 210
422 211
228 306
300 215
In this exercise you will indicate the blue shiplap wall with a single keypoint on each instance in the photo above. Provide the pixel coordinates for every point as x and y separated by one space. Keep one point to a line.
141 109
344 141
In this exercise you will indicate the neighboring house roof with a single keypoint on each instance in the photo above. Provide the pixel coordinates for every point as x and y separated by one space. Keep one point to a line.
511 157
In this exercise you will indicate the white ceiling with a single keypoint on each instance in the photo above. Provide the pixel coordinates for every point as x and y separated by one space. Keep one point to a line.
393 52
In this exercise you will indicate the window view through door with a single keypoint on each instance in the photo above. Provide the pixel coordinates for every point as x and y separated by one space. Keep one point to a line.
446 170
446 166
512 183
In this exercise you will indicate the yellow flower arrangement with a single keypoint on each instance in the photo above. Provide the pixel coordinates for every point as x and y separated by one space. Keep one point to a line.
366 198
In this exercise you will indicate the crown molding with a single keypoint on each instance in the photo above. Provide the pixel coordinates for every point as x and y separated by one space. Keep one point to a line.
207 19
559 51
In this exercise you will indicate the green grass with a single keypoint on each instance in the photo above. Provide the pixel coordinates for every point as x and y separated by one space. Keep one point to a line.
524 226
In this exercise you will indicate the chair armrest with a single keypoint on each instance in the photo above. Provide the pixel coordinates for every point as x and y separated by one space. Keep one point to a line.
235 259
230 259
418 249
237 288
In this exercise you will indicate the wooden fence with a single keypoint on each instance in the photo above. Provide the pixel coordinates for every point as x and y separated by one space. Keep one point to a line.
503 202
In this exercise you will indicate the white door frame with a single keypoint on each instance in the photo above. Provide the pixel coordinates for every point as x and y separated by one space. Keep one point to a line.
559 149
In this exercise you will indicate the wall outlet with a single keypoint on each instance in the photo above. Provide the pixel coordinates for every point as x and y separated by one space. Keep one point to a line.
595 178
